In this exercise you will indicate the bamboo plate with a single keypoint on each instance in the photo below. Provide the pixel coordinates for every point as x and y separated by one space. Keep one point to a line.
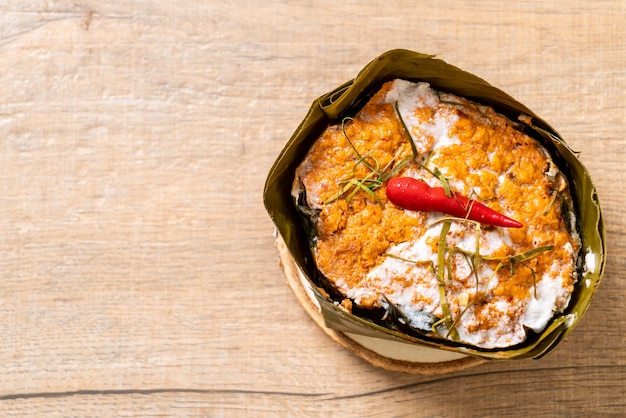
390 355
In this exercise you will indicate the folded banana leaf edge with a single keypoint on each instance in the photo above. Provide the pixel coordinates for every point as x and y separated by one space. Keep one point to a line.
346 100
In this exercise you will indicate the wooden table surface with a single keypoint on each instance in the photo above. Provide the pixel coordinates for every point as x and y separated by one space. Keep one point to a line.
139 274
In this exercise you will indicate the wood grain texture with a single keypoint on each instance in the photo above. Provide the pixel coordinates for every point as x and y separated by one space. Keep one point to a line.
139 275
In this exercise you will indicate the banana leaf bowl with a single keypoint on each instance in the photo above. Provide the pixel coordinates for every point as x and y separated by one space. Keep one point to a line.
347 99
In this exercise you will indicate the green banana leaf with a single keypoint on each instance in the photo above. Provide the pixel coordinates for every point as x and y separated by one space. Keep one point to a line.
347 99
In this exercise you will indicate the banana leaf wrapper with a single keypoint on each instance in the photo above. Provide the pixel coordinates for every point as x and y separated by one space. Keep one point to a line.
346 100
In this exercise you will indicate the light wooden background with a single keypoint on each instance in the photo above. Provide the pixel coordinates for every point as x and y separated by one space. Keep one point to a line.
138 271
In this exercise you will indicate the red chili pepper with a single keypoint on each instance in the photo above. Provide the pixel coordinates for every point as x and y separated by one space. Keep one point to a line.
414 194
